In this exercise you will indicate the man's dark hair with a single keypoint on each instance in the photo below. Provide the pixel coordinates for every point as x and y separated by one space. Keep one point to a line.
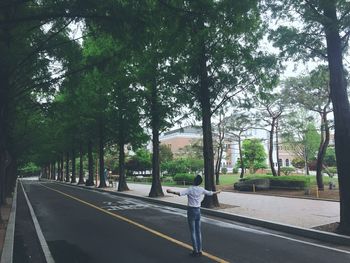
197 180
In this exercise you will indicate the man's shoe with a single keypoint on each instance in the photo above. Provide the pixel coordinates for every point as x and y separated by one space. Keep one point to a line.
195 254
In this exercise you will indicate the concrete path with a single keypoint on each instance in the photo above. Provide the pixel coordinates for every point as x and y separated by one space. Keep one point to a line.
305 213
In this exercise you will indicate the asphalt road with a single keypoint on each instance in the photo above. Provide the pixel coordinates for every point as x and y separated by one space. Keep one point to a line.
87 226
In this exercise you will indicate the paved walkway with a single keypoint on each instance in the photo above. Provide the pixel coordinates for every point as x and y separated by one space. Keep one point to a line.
292 211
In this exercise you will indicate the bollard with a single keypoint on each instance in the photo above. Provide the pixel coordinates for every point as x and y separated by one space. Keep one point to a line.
254 188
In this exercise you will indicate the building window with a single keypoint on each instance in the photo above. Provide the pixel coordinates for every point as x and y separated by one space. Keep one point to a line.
287 162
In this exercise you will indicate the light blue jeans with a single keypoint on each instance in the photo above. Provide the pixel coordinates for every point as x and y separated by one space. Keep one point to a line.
194 222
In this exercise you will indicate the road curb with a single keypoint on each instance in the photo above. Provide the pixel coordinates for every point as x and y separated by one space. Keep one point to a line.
7 250
304 232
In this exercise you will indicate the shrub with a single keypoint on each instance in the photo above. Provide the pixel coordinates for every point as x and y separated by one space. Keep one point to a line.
275 183
167 179
184 178
287 170
329 158
247 184
331 171
142 179
235 170
298 162
224 170
285 182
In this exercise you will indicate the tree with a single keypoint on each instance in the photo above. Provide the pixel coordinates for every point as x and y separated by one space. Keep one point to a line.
193 150
183 165
302 91
301 137
329 158
298 162
220 61
254 155
165 153
324 35
273 108
155 75
237 125
220 134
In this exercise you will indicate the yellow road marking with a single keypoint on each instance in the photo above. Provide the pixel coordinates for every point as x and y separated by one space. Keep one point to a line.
155 232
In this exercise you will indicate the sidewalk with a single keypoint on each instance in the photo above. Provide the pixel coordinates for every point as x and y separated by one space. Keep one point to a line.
306 213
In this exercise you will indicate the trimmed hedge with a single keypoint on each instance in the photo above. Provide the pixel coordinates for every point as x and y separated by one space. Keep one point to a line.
288 184
184 178
280 182
247 184
287 170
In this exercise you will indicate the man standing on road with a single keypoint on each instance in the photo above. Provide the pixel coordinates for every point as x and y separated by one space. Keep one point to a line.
194 195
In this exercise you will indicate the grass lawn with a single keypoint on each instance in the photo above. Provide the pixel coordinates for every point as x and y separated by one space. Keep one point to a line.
230 179
227 181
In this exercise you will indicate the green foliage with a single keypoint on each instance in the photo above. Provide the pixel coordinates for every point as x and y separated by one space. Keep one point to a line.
167 179
193 150
300 135
303 90
312 140
184 178
141 161
331 171
329 158
298 162
182 165
287 170
254 154
224 170
29 169
165 153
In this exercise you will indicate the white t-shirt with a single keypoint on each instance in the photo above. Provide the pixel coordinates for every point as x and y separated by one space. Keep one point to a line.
195 195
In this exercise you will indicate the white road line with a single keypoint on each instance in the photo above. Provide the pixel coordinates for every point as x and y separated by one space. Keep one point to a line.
44 246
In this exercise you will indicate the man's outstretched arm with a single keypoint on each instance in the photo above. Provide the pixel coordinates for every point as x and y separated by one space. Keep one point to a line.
172 192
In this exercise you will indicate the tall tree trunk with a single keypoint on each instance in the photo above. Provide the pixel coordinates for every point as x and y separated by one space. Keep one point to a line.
240 156
58 170
90 181
67 167
122 186
156 188
218 164
101 158
341 109
74 170
62 167
208 153
322 149
81 166
271 132
4 91
53 170
219 150
277 151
